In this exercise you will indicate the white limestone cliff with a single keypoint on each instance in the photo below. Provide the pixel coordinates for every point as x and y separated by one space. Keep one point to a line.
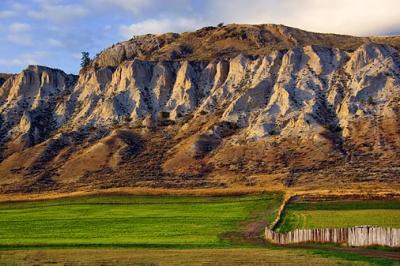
301 91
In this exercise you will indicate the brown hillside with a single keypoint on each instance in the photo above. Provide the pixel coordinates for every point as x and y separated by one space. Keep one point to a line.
211 43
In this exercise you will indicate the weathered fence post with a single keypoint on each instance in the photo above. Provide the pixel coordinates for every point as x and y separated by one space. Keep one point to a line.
353 236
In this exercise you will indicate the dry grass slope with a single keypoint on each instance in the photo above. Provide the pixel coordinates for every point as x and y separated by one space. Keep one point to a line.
210 43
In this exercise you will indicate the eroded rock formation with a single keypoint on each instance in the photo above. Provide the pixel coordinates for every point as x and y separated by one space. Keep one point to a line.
310 114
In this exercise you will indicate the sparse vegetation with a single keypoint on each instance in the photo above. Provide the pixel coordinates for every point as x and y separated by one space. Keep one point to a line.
164 115
211 42
92 128
127 119
273 132
370 101
115 123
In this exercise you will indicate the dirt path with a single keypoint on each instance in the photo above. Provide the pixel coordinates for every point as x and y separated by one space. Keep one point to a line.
372 252
358 251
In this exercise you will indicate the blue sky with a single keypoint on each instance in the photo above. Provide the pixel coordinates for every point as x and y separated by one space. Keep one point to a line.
54 32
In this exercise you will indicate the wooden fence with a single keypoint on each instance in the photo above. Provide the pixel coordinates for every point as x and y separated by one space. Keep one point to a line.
354 236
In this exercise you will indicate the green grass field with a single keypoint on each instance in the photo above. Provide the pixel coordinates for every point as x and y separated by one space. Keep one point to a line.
153 230
137 221
340 214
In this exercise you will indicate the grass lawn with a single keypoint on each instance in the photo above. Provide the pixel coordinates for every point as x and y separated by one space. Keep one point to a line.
132 221
340 214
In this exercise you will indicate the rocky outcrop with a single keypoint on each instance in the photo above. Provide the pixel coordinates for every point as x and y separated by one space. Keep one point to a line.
4 77
28 101
308 113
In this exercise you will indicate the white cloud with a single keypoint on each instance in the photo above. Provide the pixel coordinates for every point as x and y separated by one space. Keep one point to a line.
156 26
20 6
24 60
56 12
19 27
137 7
7 14
134 6
360 17
21 39
76 56
356 17
55 43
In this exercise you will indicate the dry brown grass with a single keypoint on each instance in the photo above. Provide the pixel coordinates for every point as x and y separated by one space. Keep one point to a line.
359 192
167 257
228 41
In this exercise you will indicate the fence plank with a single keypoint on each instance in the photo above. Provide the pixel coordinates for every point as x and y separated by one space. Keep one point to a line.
354 236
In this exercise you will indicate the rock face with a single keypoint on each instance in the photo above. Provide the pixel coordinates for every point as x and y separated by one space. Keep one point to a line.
28 101
307 116
4 77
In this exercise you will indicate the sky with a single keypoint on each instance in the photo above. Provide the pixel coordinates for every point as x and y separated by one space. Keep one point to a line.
55 32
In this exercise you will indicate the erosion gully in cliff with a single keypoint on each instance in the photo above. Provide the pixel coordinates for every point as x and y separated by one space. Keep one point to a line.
297 115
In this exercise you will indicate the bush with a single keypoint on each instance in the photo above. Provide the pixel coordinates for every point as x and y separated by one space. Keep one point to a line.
115 123
370 100
92 128
163 115
273 132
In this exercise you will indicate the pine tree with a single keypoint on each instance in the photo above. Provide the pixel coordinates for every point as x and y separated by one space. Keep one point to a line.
85 60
